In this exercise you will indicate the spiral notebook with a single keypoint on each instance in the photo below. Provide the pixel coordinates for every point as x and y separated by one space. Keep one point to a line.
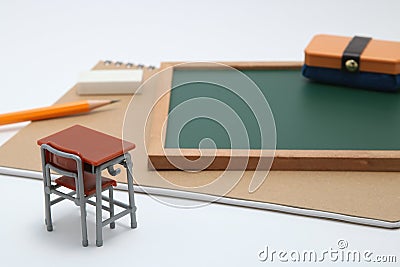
126 79
370 198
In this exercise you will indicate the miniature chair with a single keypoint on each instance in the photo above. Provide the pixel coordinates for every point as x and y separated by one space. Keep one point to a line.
82 184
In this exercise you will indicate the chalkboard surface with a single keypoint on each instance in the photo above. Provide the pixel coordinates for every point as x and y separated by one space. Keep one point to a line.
308 116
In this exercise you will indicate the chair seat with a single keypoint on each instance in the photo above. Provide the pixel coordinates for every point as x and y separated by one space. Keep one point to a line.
89 181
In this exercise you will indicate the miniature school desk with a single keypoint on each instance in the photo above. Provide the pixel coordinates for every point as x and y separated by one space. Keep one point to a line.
98 152
361 197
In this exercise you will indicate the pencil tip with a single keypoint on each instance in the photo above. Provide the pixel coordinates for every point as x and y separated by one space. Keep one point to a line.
114 101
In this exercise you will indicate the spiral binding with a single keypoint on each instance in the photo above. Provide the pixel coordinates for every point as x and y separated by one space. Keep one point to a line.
129 65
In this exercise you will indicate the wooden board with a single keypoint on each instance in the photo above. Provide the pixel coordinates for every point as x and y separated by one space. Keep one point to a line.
374 147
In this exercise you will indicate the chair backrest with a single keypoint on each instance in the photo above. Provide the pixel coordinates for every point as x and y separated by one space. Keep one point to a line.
61 161
67 164
61 158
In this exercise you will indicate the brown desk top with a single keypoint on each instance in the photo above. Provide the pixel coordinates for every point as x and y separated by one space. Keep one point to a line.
92 146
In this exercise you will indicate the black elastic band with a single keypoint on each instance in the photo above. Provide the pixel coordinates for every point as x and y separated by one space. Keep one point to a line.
352 53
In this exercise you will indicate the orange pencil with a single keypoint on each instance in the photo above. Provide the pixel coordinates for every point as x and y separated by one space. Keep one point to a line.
54 111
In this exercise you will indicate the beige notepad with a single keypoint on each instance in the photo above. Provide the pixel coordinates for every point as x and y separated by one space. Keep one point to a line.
362 197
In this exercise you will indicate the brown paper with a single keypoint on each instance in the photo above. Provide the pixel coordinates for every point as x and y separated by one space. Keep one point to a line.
374 195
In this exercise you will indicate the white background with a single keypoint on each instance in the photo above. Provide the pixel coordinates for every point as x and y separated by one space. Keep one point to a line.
45 44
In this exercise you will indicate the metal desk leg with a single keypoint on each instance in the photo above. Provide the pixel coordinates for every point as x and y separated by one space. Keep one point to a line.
85 241
99 227
47 182
111 202
82 203
129 177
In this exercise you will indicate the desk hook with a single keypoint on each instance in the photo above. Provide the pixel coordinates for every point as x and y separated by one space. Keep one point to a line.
113 171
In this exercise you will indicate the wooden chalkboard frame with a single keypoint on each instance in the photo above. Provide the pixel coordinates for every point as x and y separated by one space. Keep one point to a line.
299 160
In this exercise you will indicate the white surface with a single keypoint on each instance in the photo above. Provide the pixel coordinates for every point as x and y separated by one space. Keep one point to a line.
49 42
109 82
206 199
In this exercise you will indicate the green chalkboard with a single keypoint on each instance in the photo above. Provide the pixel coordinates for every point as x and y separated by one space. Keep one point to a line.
308 116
